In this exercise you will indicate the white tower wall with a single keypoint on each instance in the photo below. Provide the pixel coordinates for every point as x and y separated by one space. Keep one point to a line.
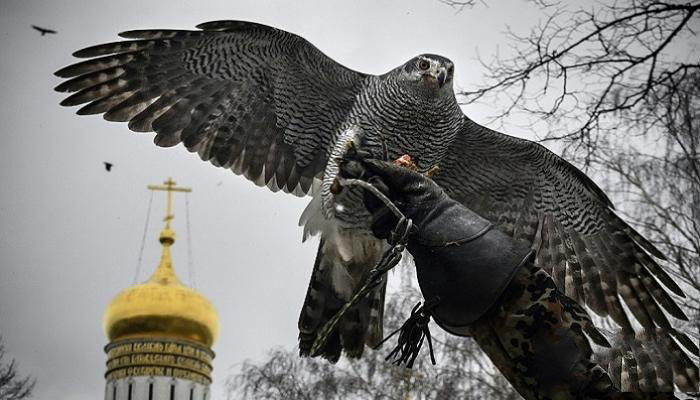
140 388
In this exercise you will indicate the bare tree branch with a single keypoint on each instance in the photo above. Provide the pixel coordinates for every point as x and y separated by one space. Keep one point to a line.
657 180
459 5
12 386
592 70
463 371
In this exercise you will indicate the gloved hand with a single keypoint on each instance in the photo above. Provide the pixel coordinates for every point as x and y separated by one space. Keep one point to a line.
417 196
460 257
465 266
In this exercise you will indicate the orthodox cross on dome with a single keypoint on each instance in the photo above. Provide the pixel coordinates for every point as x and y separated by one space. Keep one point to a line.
169 186
164 273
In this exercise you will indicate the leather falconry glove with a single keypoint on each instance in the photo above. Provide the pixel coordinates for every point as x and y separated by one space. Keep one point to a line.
461 259
480 282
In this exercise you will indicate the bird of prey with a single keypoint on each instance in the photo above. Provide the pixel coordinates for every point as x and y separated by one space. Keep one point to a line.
108 166
44 31
273 108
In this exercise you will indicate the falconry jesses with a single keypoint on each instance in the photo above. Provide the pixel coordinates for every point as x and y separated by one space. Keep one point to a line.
272 107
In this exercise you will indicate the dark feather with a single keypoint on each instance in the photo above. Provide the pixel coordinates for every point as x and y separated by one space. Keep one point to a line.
361 325
594 256
242 95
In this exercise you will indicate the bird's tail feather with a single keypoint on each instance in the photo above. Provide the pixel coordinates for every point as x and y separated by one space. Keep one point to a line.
320 305
334 279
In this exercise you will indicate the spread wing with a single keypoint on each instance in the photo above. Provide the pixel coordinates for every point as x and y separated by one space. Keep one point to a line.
594 256
261 101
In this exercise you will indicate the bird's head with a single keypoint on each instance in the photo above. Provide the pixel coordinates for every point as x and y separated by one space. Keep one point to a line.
430 74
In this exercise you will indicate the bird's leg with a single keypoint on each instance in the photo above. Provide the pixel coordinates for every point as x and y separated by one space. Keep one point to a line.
348 142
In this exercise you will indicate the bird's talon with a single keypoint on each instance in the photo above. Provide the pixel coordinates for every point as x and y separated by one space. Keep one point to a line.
336 187
433 171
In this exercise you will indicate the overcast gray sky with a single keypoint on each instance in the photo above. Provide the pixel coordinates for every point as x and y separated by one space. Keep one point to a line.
70 232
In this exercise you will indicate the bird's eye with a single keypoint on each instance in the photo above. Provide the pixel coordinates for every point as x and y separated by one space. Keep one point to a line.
423 65
450 70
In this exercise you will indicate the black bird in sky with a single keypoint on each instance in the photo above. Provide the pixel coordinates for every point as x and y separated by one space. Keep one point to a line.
108 166
44 31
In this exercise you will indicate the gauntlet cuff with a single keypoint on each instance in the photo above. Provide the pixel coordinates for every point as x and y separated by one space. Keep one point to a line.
463 260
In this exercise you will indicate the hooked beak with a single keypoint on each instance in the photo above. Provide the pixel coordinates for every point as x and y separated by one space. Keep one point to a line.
442 75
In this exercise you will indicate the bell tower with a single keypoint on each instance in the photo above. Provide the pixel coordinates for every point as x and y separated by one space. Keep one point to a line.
160 332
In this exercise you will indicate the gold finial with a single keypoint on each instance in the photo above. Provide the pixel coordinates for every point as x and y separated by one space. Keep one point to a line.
167 236
162 306
164 273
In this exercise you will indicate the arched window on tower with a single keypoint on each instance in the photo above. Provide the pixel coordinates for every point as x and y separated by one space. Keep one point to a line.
114 391
150 389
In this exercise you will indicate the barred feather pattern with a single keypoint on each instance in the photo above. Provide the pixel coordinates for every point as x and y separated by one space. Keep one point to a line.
269 106
591 254
649 362
425 130
260 101
341 267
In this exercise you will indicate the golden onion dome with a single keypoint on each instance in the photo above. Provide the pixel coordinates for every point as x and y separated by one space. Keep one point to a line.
162 307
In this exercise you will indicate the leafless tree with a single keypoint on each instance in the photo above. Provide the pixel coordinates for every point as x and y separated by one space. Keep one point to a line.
13 386
462 371
659 181
459 5
589 72
616 87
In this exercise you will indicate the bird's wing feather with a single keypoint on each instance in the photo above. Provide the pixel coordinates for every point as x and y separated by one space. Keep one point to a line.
592 255
261 101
